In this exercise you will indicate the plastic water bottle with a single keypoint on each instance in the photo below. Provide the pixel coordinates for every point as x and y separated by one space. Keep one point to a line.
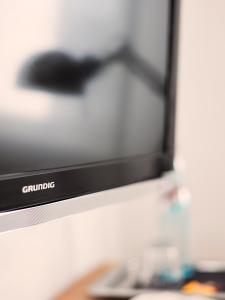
174 225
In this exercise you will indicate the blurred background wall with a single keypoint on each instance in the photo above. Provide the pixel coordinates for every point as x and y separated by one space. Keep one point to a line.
38 262
201 121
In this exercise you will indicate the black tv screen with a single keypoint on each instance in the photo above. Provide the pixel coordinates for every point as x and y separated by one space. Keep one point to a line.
86 97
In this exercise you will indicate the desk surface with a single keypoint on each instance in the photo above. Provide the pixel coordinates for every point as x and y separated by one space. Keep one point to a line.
79 290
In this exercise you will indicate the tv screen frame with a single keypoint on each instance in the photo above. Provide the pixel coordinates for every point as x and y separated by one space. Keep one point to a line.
39 188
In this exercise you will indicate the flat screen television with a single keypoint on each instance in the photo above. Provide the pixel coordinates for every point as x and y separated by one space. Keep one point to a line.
87 98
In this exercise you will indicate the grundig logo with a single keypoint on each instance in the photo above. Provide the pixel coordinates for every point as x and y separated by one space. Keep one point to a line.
38 187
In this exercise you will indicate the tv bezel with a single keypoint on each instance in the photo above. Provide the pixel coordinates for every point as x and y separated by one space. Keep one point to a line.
81 180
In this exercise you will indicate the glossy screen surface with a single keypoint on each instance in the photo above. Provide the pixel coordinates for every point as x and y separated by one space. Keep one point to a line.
81 81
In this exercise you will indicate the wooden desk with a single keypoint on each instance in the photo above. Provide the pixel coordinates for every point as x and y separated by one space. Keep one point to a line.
79 290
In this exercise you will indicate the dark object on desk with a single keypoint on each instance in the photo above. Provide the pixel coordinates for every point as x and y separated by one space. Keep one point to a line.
217 278
118 283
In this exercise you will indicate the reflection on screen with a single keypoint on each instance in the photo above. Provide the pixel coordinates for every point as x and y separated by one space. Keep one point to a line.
81 81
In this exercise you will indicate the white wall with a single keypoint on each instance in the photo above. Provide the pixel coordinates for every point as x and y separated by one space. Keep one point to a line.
36 263
39 262
201 120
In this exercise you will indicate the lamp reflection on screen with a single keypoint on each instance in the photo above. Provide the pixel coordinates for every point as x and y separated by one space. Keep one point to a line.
58 72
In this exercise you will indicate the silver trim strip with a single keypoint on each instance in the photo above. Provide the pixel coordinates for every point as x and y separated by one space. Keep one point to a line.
45 213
